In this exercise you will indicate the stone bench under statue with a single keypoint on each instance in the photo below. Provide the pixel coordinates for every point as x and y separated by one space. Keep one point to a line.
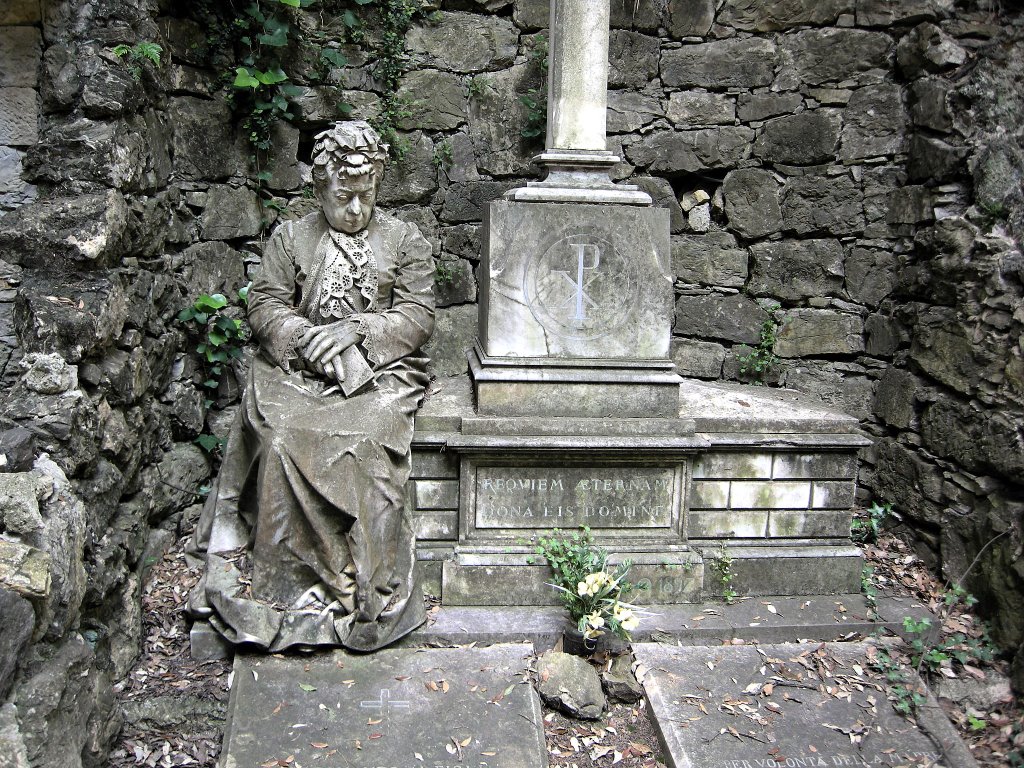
306 534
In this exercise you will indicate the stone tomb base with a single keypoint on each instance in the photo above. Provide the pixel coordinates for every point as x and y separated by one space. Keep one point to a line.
399 707
746 489
786 706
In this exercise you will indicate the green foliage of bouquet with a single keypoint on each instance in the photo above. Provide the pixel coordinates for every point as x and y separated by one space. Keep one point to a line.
590 591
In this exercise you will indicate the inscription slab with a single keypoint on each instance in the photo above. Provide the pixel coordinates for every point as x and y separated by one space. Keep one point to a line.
784 706
560 497
400 708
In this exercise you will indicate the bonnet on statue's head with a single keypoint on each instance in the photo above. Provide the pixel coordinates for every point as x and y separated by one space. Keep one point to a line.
350 147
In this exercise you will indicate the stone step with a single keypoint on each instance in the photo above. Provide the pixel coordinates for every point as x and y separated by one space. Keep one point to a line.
806 705
396 707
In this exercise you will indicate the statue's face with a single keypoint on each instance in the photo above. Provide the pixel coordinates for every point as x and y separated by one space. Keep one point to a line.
348 201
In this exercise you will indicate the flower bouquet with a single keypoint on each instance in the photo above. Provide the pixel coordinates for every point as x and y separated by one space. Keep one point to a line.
590 591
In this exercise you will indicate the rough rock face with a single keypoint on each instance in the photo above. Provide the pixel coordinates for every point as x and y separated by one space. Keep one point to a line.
570 684
852 162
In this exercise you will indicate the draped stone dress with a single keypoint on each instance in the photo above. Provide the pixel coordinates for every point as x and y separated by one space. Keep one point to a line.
311 491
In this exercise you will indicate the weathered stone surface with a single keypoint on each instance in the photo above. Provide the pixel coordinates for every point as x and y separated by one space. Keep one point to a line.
843 390
804 139
413 177
435 702
463 42
713 258
496 118
910 205
462 240
19 117
282 163
986 694
775 15
895 397
942 348
699 359
15 633
979 441
998 171
692 151
17 450
690 18
929 105
833 55
926 49
885 13
721 64
531 14
210 267
110 91
20 56
14 190
870 275
316 105
203 140
436 100
662 194
932 159
114 153
732 318
637 14
465 202
90 230
165 712
816 332
752 202
629 111
12 743
570 684
632 59
231 213
462 165
693 108
20 12
454 282
455 330
811 731
829 205
875 122
619 681
797 269
758 106
170 484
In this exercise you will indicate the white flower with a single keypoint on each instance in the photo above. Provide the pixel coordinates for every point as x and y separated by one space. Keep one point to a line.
594 623
626 618
585 588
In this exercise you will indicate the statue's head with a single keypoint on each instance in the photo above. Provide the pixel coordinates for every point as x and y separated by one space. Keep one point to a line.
348 165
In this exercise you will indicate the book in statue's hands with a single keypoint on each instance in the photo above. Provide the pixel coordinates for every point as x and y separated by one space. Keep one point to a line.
358 374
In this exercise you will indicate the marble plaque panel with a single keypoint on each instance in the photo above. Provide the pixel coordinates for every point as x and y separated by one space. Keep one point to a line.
567 497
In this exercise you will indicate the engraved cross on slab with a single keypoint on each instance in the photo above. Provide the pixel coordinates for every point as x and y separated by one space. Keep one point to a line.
384 704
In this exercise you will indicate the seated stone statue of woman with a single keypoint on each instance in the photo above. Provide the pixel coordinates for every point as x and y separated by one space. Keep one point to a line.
306 534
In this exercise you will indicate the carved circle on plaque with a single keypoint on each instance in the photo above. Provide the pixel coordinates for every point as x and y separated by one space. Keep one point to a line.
580 287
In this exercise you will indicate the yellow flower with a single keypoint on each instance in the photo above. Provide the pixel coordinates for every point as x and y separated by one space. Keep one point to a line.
626 618
594 623
585 588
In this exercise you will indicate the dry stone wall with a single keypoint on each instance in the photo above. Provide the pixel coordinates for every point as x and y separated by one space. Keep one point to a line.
844 183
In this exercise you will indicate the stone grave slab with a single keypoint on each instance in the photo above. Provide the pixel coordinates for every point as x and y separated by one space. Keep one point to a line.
794 705
400 708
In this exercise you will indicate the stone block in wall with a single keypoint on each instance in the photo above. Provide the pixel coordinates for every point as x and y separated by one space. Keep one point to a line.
112 153
664 196
61 79
462 165
697 359
998 171
689 109
316 105
692 151
910 205
929 104
926 49
816 332
19 117
797 269
210 267
830 205
425 221
747 63
775 15
463 42
282 162
629 111
759 106
20 12
497 117
945 350
712 258
931 159
413 177
632 59
850 392
14 190
870 274
690 18
531 14
21 54
466 202
110 91
883 335
462 240
752 202
637 14
834 55
978 439
887 13
734 318
454 282
896 396
203 139
727 524
231 213
437 101
170 484
875 123
455 331
808 138
15 632
89 230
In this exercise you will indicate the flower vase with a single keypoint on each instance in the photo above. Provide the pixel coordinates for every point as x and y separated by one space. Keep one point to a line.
575 643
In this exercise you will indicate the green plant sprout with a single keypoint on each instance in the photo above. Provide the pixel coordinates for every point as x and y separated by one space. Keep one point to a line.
722 563
755 364
138 54
536 99
865 528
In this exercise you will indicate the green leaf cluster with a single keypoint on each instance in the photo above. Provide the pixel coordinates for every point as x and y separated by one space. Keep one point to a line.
137 55
865 528
536 99
755 364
